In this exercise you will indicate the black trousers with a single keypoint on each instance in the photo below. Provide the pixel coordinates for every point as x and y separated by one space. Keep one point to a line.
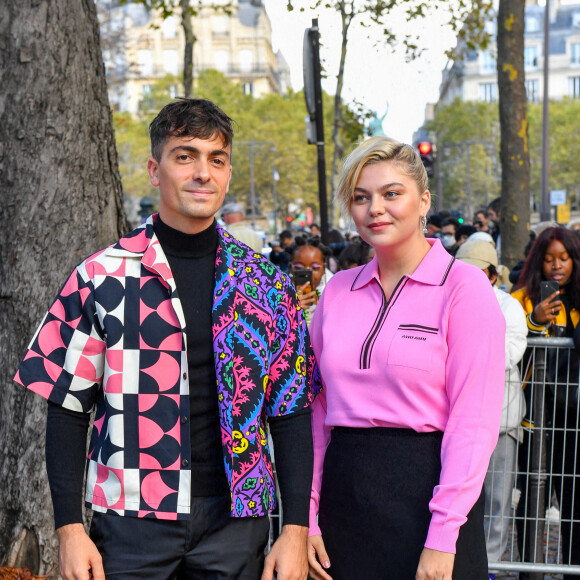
374 506
209 546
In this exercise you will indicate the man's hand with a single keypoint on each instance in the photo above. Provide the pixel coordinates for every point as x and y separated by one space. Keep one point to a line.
78 556
318 558
435 565
288 555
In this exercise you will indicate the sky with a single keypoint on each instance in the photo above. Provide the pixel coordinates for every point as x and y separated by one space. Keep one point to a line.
377 77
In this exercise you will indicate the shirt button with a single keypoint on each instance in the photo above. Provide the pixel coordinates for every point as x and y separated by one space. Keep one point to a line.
185 463
184 419
184 376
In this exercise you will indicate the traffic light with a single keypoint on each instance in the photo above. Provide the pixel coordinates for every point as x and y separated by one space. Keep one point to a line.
427 157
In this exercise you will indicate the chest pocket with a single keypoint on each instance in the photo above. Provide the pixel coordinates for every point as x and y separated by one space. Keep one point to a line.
413 347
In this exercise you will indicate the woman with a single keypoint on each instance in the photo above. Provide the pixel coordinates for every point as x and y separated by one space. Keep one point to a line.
555 256
411 353
310 254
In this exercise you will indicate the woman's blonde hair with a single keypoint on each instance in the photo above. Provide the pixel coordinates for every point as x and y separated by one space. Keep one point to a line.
375 150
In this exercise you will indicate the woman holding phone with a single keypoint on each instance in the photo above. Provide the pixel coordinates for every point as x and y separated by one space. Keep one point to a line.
549 290
409 412
309 272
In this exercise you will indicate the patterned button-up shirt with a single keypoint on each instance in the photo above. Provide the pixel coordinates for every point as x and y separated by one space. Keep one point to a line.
115 338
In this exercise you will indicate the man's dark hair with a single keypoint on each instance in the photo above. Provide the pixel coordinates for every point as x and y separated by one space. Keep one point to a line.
196 118
495 205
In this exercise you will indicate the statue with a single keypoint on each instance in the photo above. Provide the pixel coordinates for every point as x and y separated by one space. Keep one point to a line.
376 123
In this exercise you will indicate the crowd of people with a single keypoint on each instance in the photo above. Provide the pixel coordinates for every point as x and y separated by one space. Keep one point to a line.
386 375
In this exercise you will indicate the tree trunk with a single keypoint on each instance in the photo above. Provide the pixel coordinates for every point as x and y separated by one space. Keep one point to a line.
187 25
346 19
513 116
61 200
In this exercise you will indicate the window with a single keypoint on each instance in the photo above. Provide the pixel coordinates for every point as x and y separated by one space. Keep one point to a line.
533 90
246 60
575 53
171 62
488 65
221 60
145 62
574 87
532 24
576 19
169 28
220 25
488 92
248 88
530 57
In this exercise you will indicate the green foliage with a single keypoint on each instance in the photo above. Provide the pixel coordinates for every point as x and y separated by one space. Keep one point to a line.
564 146
274 125
462 122
467 136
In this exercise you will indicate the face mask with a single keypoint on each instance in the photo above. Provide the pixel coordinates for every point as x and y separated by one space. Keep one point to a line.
448 240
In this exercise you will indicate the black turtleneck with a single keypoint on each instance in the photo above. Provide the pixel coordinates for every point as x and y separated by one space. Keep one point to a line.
192 262
191 258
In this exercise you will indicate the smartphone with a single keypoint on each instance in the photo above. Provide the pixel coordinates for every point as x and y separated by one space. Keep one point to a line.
302 276
547 288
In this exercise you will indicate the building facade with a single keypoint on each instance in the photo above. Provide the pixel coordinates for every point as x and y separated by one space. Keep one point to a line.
140 48
475 78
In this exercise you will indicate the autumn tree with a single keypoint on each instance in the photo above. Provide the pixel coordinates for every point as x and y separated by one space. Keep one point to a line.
187 10
61 200
467 137
513 116
465 17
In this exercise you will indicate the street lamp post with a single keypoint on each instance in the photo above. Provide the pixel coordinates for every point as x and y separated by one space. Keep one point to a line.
251 145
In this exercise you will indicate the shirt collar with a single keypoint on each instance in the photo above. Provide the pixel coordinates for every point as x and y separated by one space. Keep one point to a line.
432 270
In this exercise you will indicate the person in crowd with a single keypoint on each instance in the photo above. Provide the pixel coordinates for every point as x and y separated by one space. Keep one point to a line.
517 269
312 255
574 225
493 222
503 272
462 233
315 231
555 257
448 231
151 333
355 254
286 239
500 478
480 220
235 220
336 243
409 412
434 223
279 256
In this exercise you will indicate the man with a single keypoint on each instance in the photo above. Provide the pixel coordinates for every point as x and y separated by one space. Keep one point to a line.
499 481
234 218
185 341
480 220
448 229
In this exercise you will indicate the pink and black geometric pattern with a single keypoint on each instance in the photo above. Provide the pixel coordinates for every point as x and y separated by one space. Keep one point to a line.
114 338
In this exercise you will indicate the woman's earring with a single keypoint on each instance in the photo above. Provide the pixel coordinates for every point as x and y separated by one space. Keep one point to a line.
424 224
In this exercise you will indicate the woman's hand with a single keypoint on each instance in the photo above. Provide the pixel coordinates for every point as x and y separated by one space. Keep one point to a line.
306 295
547 310
435 565
316 556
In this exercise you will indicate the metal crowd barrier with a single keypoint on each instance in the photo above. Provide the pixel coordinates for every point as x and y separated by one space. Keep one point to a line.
543 525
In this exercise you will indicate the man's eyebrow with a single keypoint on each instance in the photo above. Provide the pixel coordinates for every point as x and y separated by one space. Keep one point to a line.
191 149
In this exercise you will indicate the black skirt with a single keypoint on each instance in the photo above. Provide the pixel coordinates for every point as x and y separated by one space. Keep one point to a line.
374 506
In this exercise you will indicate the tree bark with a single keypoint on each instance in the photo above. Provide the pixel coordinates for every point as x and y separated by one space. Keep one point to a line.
513 116
61 199
346 19
187 24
